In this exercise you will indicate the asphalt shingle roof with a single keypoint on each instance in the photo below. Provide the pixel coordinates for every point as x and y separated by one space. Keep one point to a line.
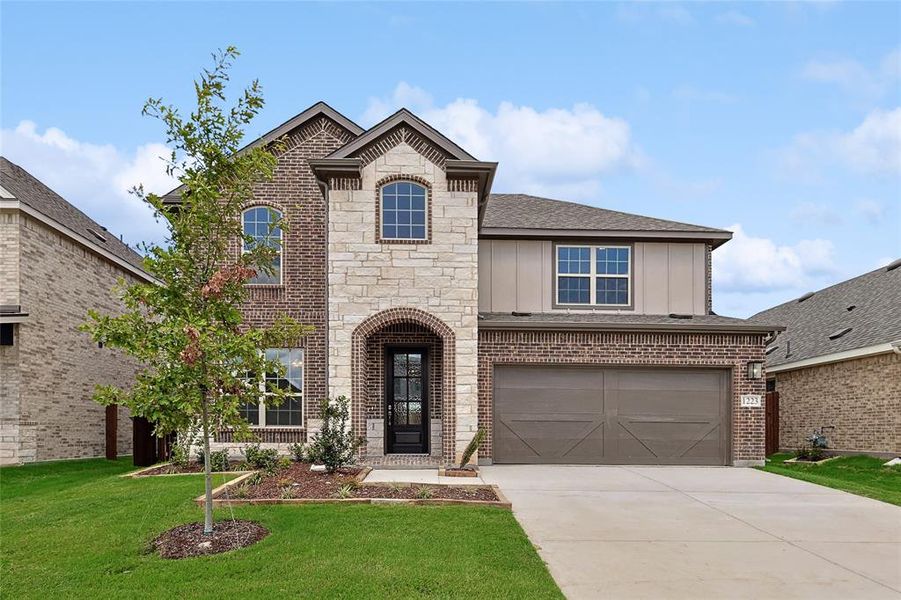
30 191
521 211
874 319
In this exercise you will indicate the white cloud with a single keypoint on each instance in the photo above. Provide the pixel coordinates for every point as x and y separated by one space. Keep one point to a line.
757 264
94 177
557 151
870 210
816 213
855 78
873 148
734 17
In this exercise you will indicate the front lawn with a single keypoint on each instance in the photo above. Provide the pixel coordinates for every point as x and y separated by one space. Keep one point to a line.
861 475
76 530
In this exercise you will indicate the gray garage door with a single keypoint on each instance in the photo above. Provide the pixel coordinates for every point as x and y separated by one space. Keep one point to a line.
585 415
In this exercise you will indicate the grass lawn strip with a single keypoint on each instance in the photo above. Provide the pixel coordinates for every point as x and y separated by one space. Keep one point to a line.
862 475
77 530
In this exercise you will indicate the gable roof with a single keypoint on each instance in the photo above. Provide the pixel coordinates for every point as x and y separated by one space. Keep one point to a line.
318 109
522 214
26 189
816 323
402 117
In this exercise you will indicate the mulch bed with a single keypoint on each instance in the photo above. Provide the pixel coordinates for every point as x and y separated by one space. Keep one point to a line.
189 540
169 469
297 481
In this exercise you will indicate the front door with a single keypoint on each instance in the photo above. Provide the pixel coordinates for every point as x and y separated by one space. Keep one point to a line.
406 400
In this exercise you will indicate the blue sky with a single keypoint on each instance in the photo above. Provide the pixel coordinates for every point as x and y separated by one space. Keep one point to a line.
780 121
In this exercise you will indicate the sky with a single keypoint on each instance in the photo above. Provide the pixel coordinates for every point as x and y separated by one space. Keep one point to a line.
778 121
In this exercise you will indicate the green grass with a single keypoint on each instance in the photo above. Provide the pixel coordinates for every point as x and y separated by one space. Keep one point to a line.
76 530
861 475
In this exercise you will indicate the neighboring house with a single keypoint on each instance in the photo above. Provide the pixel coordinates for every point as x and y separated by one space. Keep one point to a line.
55 264
837 366
572 334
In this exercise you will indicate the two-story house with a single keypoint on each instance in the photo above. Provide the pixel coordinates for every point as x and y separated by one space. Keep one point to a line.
571 334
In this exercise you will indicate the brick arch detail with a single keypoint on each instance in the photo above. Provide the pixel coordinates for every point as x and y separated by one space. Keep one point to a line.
394 316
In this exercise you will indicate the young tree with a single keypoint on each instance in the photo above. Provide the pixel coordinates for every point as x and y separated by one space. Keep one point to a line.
200 363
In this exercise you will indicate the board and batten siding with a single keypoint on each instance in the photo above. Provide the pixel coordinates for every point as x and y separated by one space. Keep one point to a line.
518 275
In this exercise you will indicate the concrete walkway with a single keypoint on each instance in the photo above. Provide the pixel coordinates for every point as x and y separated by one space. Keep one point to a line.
698 532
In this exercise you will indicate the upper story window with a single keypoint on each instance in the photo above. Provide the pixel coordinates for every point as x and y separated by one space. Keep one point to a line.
594 275
260 224
404 211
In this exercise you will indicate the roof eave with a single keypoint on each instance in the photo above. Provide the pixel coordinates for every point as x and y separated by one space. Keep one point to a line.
834 357
716 238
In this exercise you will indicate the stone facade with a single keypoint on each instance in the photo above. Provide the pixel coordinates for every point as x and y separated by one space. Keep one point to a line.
49 374
368 277
857 401
730 351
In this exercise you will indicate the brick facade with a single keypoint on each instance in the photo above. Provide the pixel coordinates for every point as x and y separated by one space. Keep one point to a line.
859 401
49 374
730 351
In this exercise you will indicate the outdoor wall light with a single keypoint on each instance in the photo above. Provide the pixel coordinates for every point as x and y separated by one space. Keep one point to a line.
755 370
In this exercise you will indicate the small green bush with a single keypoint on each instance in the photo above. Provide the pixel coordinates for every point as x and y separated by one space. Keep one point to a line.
471 448
424 493
218 459
335 445
345 491
298 452
265 459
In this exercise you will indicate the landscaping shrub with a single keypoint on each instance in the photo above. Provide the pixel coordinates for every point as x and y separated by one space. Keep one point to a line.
218 459
299 452
265 459
335 445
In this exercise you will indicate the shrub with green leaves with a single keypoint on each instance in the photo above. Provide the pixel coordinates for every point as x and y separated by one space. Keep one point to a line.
335 445
298 452
218 460
264 459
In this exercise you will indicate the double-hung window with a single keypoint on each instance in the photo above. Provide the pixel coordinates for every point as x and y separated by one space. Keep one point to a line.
594 275
290 412
404 211
259 223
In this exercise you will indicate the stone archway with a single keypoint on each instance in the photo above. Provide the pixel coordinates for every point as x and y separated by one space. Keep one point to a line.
379 322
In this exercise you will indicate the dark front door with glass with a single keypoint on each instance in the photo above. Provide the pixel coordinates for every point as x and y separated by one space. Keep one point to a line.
406 410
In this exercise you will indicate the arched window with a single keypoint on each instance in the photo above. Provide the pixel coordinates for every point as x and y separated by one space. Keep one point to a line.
404 211
260 223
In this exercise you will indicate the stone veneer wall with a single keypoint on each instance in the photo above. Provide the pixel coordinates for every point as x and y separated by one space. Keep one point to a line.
50 373
438 278
860 398
732 351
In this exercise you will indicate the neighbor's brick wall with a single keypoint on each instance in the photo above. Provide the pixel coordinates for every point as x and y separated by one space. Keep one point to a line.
10 428
860 398
58 365
732 351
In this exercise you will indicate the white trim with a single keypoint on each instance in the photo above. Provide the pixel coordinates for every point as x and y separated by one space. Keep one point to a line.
281 243
6 194
834 357
592 274
5 319
60 228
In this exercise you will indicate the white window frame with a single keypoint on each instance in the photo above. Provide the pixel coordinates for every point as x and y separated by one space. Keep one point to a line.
425 235
261 406
281 242
592 275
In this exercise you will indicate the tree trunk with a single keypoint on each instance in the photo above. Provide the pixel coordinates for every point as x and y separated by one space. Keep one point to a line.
207 473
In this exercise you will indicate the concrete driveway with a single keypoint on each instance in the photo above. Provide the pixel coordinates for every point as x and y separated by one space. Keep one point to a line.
703 532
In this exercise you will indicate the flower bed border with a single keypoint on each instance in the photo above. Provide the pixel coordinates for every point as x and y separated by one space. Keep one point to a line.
139 474
796 461
501 502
